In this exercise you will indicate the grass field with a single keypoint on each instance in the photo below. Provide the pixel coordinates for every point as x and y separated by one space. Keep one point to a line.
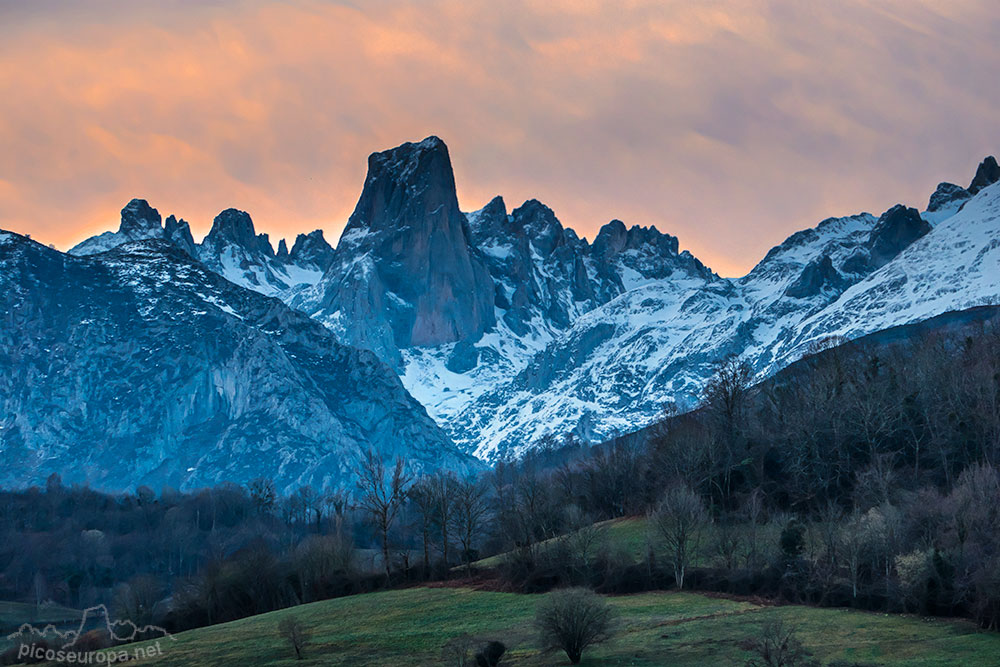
13 614
410 627
630 538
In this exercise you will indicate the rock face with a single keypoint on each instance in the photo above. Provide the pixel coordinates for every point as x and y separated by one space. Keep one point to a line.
947 195
141 366
987 174
405 272
894 231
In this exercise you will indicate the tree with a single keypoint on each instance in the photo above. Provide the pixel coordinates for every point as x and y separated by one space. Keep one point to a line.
421 494
292 629
678 520
489 655
573 619
263 494
134 599
382 497
471 509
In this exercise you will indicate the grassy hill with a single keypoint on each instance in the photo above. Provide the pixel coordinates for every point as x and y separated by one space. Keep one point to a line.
411 626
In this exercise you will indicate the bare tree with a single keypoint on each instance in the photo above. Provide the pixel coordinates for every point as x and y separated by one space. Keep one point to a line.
471 509
573 619
292 629
263 494
382 496
443 489
678 520
421 494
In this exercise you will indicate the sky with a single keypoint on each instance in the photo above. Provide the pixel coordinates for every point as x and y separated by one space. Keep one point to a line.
729 124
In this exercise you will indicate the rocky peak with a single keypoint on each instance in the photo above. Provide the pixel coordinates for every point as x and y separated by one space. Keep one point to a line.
235 227
894 231
405 271
945 194
282 252
139 219
540 225
178 232
987 174
491 221
311 249
613 238
414 179
818 276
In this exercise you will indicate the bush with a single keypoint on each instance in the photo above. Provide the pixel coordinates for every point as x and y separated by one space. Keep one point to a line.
489 655
573 619
777 646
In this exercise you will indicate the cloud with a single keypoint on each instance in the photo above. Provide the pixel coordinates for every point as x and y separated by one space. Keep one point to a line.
728 123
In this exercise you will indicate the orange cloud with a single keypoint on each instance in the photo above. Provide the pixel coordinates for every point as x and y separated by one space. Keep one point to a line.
729 123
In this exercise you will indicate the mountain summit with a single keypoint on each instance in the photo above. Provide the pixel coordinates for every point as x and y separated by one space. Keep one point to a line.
405 272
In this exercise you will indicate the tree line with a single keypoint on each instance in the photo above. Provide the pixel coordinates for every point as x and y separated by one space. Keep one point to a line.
864 475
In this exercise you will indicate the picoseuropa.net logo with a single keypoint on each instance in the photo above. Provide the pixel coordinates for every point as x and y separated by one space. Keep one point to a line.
34 643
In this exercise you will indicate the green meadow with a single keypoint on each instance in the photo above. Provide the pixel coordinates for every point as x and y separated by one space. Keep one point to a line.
412 626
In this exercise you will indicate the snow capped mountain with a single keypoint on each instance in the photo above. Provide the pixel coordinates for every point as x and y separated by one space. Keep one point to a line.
235 251
141 366
510 328
232 248
139 221
616 368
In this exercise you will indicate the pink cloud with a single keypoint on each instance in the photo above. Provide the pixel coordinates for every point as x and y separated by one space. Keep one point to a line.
728 123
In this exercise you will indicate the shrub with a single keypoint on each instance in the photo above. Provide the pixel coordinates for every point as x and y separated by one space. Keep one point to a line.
573 619
777 646
489 655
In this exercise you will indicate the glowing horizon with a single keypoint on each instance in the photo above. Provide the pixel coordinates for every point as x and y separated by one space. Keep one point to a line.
729 124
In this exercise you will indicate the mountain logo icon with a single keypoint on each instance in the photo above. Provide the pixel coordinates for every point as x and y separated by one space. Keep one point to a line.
119 631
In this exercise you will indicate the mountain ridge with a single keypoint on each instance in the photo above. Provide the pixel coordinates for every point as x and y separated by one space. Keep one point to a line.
509 327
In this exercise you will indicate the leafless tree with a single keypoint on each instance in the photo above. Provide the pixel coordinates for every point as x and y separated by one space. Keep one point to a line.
263 494
678 521
293 630
471 510
382 494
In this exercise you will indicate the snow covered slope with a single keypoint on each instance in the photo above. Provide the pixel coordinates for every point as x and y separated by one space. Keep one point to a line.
617 367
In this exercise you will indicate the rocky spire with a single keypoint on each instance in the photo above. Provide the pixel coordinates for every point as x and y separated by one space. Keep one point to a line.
233 226
405 264
139 220
178 232
987 174
311 249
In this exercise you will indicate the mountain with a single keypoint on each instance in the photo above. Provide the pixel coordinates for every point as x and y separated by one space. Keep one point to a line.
139 365
655 346
510 328
139 221
232 248
235 251
405 272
